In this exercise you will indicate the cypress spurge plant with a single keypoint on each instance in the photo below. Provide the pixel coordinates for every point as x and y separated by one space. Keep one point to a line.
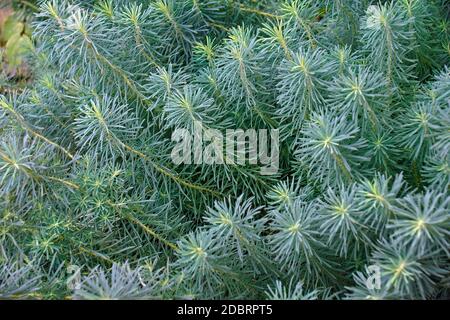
92 206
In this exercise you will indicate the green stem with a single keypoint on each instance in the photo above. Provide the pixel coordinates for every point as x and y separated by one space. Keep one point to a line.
151 232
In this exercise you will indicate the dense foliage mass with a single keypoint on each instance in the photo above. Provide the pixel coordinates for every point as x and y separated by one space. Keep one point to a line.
92 206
